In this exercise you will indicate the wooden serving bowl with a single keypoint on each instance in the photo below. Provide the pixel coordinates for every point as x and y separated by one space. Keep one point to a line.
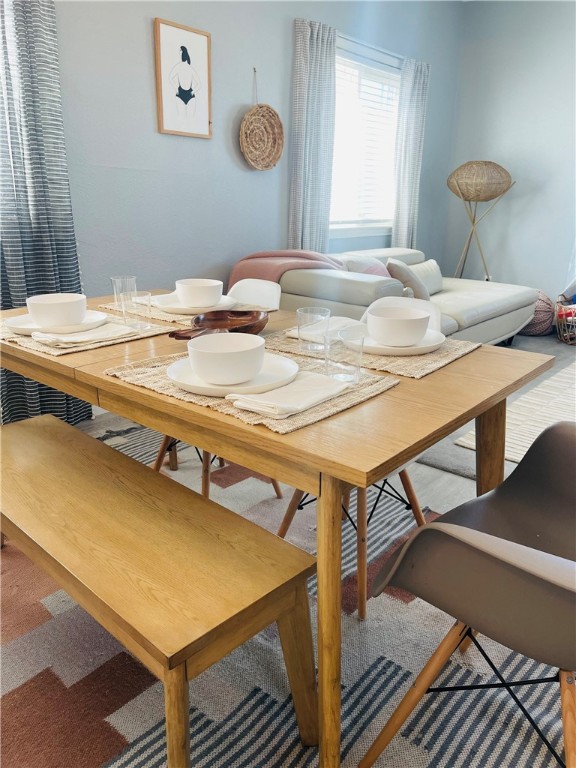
240 321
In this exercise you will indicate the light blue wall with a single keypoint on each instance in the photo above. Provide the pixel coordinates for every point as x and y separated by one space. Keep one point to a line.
163 207
517 109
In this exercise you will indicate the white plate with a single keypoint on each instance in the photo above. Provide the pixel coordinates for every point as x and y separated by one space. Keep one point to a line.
169 303
275 372
25 326
431 341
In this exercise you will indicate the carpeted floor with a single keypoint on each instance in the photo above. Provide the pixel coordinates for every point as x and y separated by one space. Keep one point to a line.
73 698
545 404
449 456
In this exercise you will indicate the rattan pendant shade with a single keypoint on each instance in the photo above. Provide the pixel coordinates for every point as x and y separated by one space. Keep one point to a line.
479 181
261 137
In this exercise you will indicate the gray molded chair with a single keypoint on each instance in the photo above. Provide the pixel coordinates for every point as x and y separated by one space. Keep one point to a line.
503 563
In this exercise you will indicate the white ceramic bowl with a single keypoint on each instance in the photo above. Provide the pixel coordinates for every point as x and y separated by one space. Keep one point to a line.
199 292
57 309
226 358
397 326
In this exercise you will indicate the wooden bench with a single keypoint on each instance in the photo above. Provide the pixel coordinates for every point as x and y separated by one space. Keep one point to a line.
177 579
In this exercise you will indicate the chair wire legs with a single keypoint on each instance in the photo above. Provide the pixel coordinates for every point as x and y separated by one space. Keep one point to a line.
508 685
423 684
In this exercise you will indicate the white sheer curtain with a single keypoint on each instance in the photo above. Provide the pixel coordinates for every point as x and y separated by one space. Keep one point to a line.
409 142
313 111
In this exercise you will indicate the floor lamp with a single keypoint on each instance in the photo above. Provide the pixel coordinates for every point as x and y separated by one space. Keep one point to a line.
479 181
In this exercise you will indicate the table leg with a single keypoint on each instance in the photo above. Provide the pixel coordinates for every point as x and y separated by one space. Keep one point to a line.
361 552
490 444
206 461
329 627
176 705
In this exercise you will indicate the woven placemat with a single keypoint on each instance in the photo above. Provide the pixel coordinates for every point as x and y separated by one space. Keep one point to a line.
151 374
155 314
413 366
7 334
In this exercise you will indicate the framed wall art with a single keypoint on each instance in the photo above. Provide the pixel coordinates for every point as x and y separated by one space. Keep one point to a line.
183 83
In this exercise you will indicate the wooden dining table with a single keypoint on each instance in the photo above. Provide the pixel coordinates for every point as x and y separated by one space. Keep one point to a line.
353 448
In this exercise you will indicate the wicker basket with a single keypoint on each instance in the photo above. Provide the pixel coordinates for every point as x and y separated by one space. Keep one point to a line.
261 137
565 319
479 181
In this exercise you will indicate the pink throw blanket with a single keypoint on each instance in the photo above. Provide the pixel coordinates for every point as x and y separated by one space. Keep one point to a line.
271 265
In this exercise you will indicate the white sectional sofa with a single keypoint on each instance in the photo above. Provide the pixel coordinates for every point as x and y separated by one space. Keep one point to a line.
488 312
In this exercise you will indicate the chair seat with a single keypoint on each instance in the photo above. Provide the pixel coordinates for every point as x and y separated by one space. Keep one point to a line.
499 598
504 564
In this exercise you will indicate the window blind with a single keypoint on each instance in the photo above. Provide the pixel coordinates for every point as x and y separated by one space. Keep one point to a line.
363 165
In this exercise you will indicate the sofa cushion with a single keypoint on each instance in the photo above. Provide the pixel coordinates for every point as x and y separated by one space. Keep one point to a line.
429 272
448 325
408 278
364 264
407 255
471 302
337 285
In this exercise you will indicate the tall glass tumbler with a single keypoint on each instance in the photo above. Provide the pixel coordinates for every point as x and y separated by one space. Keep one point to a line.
122 284
313 324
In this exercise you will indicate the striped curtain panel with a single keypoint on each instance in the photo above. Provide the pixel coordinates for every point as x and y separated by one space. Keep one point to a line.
313 117
408 154
37 240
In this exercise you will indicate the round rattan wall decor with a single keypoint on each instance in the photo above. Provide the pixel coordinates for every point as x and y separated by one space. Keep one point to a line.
261 137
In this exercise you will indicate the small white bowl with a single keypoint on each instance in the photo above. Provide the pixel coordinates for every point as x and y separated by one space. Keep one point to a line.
57 309
199 292
226 358
397 326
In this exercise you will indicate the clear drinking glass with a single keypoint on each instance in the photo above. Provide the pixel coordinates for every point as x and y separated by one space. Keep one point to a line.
343 354
122 284
313 324
136 309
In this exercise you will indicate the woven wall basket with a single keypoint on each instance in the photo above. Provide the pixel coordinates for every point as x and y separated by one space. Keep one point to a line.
261 137
479 181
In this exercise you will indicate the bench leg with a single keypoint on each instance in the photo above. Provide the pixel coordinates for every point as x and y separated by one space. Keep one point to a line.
177 706
296 638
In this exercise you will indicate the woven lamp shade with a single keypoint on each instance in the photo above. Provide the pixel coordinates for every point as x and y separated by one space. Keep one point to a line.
261 137
479 181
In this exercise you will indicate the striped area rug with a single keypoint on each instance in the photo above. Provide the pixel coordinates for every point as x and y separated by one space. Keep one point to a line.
526 417
71 696
475 729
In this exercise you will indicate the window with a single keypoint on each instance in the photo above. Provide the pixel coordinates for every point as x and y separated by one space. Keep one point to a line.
367 88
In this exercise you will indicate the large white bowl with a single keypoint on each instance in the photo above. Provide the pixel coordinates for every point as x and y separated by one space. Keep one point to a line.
226 358
199 292
397 326
57 309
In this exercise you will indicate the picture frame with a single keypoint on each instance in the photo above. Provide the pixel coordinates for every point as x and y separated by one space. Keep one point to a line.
183 79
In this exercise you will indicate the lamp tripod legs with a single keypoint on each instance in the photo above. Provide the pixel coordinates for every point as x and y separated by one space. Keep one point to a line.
472 234
481 252
464 255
